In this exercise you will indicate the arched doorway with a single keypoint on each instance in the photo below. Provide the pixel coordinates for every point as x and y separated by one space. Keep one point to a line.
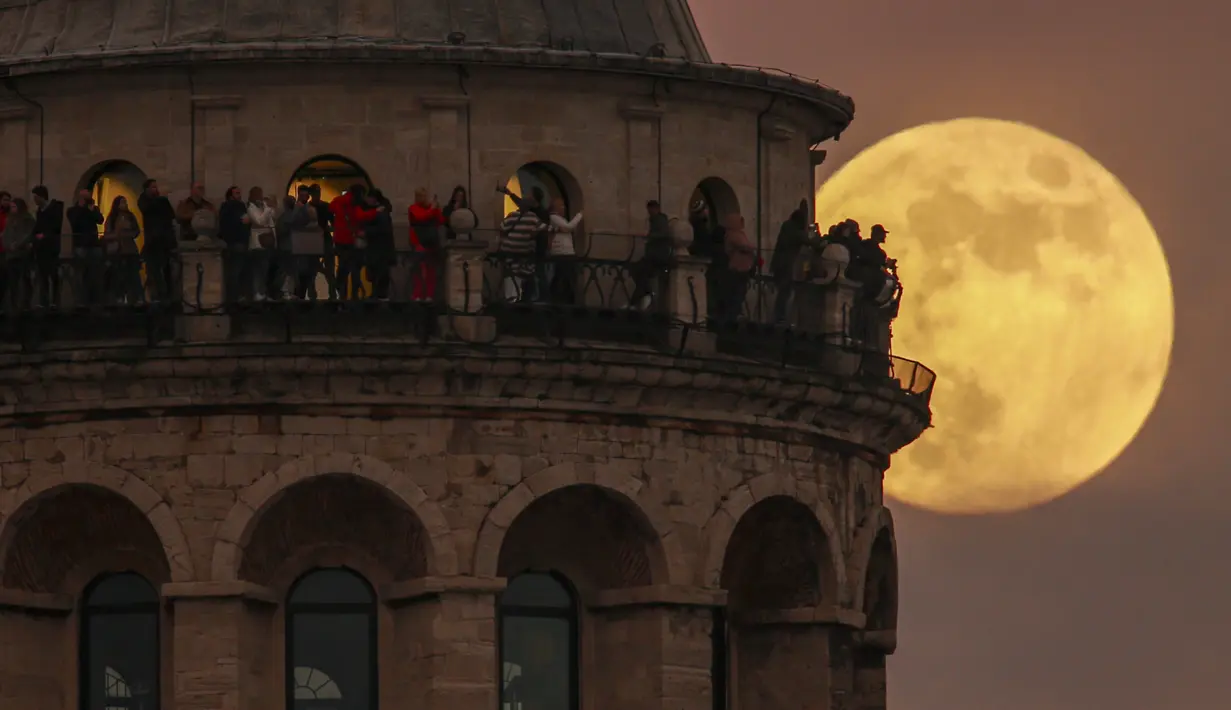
552 180
111 179
334 173
717 197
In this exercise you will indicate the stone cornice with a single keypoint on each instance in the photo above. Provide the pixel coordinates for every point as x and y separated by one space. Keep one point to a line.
840 108
219 590
371 379
658 595
38 602
429 587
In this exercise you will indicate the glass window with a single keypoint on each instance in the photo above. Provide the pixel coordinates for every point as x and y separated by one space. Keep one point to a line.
119 644
538 644
331 642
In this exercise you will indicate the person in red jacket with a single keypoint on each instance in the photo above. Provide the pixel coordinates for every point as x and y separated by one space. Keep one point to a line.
350 214
426 221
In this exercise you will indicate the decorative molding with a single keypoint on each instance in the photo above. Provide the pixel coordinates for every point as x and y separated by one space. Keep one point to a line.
638 110
776 131
16 113
428 587
659 595
227 101
41 602
175 591
445 103
817 156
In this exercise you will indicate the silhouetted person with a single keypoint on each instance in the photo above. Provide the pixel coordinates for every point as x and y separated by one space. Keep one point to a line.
48 227
653 265
792 236
84 219
381 251
160 246
120 234
234 228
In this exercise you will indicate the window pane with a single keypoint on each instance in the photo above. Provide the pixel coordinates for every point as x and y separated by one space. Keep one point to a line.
536 590
124 588
537 668
122 661
332 658
331 586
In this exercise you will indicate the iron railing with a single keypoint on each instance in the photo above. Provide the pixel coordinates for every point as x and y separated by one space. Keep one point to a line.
619 297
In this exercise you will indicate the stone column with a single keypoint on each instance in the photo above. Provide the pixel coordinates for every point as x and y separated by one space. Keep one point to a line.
202 287
869 688
19 170
223 645
774 135
448 152
784 660
643 125
37 666
653 648
463 293
215 141
444 643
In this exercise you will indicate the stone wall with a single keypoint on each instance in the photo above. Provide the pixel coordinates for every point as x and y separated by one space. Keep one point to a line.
254 125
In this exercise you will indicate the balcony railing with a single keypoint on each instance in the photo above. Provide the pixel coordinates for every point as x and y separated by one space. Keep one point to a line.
608 295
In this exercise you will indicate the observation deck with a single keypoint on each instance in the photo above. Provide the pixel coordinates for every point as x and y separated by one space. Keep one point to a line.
797 354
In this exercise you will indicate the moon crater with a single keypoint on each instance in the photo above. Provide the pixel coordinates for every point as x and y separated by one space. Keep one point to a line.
1035 287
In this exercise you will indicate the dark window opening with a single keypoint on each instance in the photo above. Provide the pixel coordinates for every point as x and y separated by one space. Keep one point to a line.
119 644
538 644
331 642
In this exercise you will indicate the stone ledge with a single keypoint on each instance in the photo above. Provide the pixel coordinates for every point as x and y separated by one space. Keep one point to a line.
658 595
804 616
219 590
885 640
414 590
40 602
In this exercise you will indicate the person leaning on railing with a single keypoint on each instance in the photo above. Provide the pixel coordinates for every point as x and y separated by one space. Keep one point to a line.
18 238
84 219
120 233
783 265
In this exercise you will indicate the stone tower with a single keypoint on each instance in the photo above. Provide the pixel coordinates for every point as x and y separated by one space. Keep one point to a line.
458 503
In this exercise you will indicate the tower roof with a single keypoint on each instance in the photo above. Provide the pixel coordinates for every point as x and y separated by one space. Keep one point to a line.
55 29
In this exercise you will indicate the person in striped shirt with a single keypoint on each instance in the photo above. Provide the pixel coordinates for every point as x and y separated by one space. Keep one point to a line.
519 236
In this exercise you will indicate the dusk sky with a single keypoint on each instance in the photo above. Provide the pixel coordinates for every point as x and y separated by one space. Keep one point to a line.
1115 597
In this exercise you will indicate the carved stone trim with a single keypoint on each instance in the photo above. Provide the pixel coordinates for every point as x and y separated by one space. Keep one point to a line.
776 131
219 590
231 101
427 587
817 156
445 103
659 595
20 600
641 110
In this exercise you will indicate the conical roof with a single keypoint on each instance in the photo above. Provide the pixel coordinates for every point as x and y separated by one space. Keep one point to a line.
34 30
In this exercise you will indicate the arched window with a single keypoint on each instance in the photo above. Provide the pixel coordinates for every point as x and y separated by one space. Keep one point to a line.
538 644
119 644
111 179
334 173
718 198
331 642
552 180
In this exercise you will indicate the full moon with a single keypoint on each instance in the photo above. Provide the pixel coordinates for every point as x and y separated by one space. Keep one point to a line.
1036 288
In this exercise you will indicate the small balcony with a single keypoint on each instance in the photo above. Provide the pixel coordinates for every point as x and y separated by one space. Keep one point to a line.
469 293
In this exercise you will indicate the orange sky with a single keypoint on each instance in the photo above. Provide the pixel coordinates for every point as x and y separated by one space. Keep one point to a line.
1116 597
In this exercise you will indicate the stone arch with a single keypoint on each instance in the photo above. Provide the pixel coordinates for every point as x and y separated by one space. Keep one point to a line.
718 197
778 558
334 172
236 530
554 180
114 514
719 528
664 555
874 570
109 179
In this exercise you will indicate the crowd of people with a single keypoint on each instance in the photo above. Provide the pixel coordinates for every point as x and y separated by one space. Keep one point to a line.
278 248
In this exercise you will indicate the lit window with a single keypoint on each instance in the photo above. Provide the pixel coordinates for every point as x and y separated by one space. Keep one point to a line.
331 642
538 644
119 630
